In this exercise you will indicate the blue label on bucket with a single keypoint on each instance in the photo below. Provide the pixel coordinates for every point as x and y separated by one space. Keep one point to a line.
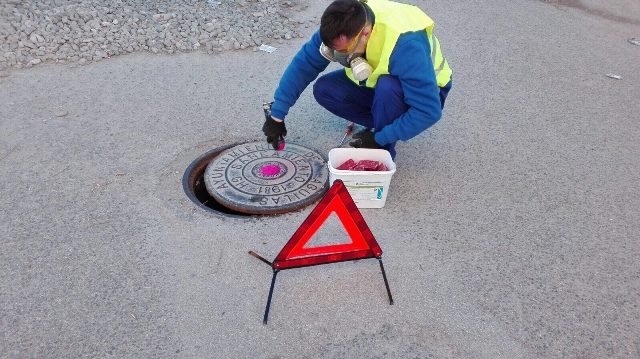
379 195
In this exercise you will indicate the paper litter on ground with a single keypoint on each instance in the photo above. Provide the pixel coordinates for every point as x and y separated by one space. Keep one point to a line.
267 48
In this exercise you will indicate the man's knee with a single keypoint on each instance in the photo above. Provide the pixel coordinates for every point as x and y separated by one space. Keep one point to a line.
389 85
320 88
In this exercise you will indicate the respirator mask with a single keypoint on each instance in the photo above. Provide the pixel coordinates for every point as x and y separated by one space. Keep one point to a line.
349 58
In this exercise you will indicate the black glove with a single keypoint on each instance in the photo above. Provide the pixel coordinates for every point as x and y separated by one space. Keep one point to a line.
275 132
364 139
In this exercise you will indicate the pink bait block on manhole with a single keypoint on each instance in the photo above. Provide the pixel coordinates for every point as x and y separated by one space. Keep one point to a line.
270 170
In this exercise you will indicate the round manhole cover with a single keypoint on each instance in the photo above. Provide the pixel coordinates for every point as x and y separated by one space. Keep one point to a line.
253 178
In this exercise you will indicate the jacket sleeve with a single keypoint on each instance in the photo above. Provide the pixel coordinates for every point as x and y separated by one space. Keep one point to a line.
306 65
411 63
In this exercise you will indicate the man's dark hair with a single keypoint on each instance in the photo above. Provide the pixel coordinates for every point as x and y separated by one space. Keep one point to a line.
342 17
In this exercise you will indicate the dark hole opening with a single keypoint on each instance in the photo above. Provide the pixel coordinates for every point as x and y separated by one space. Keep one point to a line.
196 190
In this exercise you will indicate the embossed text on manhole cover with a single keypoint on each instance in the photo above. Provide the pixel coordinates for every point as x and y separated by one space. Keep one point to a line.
253 178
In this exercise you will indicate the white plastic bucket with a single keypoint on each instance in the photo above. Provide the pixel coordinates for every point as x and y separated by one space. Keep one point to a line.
368 189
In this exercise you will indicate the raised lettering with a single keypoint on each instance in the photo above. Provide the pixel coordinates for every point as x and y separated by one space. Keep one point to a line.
216 182
304 192
235 154
241 184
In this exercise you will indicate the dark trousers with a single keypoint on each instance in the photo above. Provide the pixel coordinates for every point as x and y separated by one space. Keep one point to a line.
371 108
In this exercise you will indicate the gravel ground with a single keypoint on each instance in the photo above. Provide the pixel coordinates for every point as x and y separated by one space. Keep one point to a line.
84 31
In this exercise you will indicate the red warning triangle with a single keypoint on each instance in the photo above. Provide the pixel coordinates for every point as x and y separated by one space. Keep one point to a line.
338 201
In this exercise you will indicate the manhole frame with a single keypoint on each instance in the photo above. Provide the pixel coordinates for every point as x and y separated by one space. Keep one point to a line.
197 168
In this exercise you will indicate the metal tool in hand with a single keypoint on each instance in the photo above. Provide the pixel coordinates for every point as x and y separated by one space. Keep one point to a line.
347 132
279 142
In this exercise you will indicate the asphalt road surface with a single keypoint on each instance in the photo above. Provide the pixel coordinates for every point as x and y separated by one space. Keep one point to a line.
511 229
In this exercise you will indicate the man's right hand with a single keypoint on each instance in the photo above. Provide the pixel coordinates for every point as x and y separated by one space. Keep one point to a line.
364 139
275 130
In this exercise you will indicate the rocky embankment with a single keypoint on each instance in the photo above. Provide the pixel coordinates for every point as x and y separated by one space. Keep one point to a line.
83 31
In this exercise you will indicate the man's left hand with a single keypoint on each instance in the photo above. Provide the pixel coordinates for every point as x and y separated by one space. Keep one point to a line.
365 139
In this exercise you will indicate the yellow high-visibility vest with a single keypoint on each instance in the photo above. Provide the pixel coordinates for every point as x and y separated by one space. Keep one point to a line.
391 20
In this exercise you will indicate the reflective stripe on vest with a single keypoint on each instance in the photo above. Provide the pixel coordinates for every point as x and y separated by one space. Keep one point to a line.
391 20
435 44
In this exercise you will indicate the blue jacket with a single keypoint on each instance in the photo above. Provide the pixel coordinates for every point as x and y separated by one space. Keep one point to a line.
410 62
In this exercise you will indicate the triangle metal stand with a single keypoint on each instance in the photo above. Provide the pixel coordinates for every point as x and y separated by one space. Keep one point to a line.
275 273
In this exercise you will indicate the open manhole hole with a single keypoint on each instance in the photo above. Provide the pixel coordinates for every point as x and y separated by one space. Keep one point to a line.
253 179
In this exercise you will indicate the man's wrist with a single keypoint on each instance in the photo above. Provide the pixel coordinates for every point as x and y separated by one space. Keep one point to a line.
378 138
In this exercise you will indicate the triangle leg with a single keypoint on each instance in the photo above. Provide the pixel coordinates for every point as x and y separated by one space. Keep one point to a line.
260 258
386 283
266 311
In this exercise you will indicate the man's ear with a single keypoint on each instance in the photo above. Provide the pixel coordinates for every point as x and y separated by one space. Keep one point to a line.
367 31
